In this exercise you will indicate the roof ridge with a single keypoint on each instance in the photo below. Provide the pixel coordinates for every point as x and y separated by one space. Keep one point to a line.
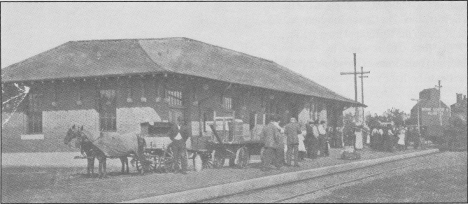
217 46
148 56
122 39
177 38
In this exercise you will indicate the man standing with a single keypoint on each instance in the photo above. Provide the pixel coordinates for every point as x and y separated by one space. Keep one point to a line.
282 143
373 138
179 135
332 137
322 139
339 137
388 138
309 139
271 138
409 136
292 129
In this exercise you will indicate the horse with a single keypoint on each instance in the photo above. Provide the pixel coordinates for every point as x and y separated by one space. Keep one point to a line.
92 151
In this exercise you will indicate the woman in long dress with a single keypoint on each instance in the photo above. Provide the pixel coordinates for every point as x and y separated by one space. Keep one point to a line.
301 147
401 139
358 133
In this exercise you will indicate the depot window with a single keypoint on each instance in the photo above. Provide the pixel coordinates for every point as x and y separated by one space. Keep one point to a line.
174 97
227 103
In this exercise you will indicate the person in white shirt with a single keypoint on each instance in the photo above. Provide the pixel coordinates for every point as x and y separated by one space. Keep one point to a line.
401 139
388 138
179 135
358 142
301 147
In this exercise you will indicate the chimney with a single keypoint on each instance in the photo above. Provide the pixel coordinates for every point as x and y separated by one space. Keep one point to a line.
459 97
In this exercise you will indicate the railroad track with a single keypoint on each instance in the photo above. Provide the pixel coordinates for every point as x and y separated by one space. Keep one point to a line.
307 195
310 189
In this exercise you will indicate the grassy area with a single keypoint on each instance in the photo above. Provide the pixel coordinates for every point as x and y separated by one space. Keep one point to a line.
443 181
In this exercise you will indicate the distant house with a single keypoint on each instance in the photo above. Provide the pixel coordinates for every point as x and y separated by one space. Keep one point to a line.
114 85
460 106
432 111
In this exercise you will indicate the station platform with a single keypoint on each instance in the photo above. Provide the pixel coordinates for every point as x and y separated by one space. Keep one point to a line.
64 181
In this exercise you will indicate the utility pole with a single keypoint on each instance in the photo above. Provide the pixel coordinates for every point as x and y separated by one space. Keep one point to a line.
362 93
440 97
355 73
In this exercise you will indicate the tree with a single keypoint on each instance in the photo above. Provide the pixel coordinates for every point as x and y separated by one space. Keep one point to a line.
372 121
396 115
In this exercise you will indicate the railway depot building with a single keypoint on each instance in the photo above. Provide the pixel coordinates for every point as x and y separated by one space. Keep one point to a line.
114 85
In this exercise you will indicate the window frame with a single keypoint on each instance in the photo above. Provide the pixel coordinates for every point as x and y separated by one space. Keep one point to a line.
174 97
227 102
108 119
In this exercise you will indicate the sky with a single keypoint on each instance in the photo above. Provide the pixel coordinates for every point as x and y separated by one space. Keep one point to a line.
406 46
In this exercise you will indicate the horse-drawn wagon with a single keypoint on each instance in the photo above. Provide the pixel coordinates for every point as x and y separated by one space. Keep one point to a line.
229 142
151 148
159 151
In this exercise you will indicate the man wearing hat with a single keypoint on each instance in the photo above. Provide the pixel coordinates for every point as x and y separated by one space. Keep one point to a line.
271 138
291 130
179 134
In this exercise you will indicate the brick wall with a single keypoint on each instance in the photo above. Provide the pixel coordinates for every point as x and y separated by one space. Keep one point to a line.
57 119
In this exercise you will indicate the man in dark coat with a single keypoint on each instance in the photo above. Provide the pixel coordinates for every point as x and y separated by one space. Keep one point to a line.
308 141
291 130
179 134
271 138
388 138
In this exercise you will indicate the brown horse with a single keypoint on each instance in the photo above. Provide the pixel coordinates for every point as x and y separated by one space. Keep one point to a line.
93 152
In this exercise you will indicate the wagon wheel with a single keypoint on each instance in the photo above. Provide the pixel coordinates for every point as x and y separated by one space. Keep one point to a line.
242 157
169 160
138 165
207 161
157 163
218 159
154 163
143 166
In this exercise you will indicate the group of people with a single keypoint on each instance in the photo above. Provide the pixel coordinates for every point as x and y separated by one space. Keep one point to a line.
299 144
388 138
309 141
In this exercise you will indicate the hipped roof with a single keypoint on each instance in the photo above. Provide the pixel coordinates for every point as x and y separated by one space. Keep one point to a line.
96 58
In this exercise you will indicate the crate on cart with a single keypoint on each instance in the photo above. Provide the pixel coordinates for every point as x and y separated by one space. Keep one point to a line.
228 142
